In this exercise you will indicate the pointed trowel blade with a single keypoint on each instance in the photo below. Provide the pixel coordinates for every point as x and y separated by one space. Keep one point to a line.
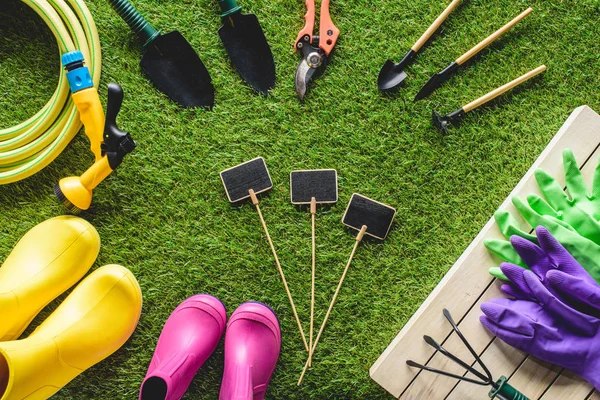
249 50
173 66
436 81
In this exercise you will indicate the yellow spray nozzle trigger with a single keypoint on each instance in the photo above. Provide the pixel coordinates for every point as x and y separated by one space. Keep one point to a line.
109 145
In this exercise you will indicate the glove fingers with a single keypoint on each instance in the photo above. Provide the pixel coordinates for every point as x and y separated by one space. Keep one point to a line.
532 255
513 339
503 250
560 310
514 273
576 288
496 272
552 191
507 318
560 257
509 226
540 206
573 177
513 291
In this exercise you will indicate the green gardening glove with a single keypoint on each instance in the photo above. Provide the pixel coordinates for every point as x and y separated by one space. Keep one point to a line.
585 251
575 207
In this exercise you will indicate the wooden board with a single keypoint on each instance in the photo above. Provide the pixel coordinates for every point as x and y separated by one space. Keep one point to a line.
467 284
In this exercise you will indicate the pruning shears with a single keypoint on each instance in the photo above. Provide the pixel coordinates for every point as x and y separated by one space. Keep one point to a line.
315 50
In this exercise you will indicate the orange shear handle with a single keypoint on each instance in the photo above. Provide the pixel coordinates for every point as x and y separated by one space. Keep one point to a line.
310 22
328 32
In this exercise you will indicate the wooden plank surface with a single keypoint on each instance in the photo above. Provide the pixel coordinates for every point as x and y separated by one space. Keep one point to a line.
468 278
568 386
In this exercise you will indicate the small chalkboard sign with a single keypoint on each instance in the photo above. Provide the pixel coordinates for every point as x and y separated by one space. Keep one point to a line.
363 211
318 183
251 175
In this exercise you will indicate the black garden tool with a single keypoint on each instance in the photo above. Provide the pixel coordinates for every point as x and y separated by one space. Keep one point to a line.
247 46
436 80
501 389
392 75
169 61
441 122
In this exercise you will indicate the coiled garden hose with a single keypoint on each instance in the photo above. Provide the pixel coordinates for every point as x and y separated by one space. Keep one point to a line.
30 146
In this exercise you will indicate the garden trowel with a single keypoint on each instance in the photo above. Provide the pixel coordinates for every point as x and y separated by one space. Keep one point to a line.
169 61
247 46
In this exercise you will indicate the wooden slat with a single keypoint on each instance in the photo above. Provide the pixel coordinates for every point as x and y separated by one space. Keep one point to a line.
594 396
468 278
568 386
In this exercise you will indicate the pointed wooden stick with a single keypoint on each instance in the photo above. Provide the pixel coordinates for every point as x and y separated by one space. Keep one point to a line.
287 289
359 238
313 212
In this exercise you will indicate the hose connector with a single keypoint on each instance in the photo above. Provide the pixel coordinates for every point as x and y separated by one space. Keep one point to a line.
78 74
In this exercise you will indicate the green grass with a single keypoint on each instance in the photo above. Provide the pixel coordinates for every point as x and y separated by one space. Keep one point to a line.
165 216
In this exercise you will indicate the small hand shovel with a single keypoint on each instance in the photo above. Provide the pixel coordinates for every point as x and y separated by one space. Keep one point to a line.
169 61
247 46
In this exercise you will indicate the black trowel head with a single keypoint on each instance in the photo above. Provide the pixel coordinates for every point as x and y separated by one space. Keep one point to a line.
249 51
390 77
173 66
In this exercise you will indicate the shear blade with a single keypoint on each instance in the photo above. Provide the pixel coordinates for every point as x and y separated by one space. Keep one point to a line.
304 74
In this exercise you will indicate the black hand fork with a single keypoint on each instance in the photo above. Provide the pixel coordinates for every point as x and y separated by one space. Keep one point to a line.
500 388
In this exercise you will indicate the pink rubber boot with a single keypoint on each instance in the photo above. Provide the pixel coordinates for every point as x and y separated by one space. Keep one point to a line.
252 345
188 338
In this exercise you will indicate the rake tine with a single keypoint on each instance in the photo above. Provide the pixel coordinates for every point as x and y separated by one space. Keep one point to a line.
430 341
464 340
411 363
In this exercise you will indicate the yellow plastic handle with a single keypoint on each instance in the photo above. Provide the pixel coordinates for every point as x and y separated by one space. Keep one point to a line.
91 114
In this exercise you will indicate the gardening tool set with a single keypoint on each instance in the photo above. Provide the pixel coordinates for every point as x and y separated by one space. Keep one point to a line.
392 75
101 313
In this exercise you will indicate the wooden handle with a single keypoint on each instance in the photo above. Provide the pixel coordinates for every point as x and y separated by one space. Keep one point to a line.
502 89
487 41
435 25
285 285
359 238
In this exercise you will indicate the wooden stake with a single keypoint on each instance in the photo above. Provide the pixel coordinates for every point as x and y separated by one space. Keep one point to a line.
313 212
359 238
287 289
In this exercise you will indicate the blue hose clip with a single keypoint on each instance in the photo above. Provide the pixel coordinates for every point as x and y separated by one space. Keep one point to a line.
78 74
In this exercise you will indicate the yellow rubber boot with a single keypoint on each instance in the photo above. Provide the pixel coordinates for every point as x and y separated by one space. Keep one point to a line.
94 321
48 260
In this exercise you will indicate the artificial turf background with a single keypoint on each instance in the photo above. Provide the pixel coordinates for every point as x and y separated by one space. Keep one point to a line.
165 216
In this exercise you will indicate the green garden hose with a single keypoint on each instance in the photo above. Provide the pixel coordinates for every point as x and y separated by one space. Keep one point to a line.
30 146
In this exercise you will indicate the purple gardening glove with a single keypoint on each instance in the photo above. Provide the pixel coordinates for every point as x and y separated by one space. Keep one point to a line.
556 269
547 328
